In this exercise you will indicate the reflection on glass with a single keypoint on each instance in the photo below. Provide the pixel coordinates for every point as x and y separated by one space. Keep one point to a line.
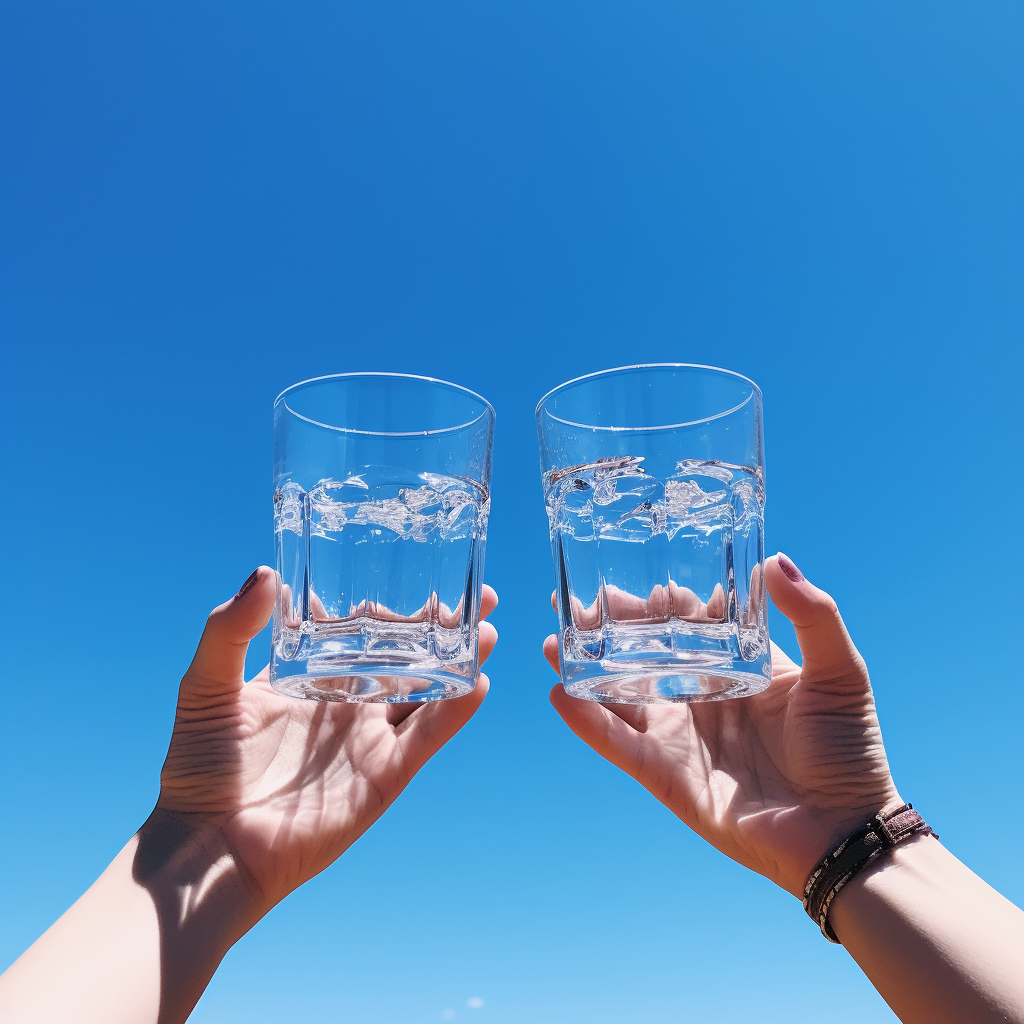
654 487
380 512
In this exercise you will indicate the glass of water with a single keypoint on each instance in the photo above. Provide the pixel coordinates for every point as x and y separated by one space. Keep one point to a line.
654 486
381 496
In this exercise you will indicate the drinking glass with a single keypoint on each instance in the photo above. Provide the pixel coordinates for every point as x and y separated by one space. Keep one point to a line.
654 487
381 495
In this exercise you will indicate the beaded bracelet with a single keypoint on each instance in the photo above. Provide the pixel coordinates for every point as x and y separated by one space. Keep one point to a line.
881 833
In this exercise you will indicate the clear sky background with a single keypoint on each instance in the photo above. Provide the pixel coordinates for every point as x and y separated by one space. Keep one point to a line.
203 203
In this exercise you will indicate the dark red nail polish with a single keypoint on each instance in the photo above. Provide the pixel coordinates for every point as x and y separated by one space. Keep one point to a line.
249 583
788 566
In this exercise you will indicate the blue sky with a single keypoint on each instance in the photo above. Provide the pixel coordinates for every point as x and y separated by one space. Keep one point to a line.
201 204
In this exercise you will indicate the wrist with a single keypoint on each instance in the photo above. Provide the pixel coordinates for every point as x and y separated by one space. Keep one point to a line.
196 881
864 846
883 875
809 833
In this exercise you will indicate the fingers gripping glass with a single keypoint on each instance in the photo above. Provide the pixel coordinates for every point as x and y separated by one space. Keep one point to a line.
381 496
654 485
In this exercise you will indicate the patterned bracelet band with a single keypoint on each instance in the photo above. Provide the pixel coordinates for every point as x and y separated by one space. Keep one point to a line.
881 833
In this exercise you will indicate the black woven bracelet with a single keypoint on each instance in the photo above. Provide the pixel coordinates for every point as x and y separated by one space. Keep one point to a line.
881 833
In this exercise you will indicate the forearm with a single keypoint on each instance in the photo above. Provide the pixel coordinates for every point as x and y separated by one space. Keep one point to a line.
938 943
142 944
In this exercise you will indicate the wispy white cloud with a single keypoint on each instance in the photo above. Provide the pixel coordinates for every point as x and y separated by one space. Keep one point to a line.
474 1002
448 1014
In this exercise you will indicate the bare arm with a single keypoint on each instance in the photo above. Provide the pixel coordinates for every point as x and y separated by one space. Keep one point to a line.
777 779
937 942
144 940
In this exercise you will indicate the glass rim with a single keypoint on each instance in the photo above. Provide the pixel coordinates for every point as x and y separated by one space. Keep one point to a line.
487 407
755 390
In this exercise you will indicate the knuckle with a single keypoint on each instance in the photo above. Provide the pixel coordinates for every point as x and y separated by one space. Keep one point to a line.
860 666
825 606
215 620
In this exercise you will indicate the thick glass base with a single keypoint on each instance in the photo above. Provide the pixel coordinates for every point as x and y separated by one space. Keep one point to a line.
675 687
674 663
368 661
375 684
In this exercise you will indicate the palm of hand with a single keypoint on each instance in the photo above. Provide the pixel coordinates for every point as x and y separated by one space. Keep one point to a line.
288 785
772 780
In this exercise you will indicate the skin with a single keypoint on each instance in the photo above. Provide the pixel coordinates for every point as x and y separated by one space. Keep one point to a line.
291 784
259 793
770 780
778 779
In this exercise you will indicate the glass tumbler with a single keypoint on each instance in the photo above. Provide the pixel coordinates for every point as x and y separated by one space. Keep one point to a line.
381 495
654 487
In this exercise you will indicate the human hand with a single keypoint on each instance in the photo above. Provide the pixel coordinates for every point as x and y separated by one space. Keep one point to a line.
286 785
773 780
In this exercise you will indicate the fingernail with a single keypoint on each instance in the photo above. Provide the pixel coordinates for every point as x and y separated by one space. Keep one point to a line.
249 583
788 566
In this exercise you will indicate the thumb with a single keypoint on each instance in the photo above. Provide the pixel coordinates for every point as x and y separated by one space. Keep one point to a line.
826 647
219 663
